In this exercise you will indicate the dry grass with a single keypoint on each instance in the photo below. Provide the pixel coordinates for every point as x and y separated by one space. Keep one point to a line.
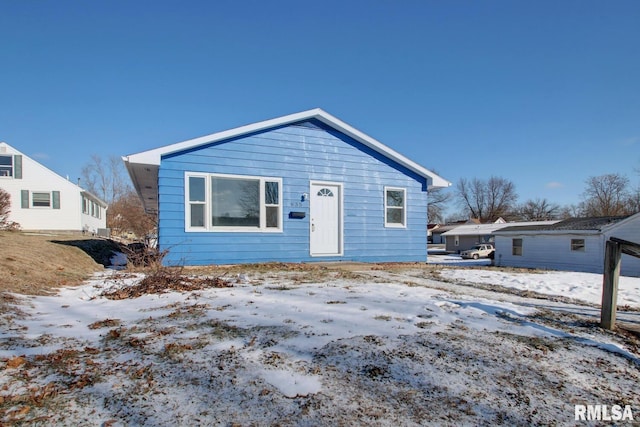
36 264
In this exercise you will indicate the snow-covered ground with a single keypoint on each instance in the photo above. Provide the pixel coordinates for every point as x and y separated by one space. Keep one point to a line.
374 347
581 286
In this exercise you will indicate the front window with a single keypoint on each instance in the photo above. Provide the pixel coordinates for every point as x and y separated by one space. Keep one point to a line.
6 166
517 247
395 207
577 245
233 203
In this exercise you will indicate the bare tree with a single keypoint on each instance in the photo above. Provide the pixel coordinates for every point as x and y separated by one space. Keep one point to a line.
437 203
569 211
606 195
105 178
537 210
486 200
126 215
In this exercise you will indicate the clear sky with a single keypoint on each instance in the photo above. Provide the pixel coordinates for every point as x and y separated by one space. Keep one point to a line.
543 93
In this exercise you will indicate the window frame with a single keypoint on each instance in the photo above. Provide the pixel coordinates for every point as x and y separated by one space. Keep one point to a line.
189 203
514 247
12 167
208 202
388 224
578 247
32 204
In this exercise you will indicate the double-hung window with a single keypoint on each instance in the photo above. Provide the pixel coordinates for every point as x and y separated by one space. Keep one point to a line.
41 199
216 202
395 207
196 190
516 247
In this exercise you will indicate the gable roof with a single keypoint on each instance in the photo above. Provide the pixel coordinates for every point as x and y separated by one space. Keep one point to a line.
586 224
6 149
143 166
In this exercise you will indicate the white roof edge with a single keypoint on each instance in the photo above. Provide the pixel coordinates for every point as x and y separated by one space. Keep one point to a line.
153 157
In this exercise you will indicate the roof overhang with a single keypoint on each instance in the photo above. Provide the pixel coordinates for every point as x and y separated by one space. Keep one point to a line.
493 228
143 166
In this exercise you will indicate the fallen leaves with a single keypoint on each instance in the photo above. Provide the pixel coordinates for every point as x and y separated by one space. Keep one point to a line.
16 362
106 323
166 280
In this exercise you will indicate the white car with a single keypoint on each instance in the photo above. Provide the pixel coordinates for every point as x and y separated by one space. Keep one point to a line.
479 251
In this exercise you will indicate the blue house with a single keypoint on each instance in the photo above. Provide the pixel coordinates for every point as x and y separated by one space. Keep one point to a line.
299 188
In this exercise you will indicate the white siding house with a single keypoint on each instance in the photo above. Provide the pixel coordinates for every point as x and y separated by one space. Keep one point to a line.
464 237
575 244
43 200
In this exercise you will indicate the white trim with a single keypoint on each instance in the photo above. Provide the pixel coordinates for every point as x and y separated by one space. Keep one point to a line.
187 202
209 227
404 208
340 186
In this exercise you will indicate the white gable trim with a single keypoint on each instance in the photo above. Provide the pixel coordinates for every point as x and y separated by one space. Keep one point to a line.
153 157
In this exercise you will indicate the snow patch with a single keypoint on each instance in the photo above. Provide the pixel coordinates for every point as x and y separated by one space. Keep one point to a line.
292 384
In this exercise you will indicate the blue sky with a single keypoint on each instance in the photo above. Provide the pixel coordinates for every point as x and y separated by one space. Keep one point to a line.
543 93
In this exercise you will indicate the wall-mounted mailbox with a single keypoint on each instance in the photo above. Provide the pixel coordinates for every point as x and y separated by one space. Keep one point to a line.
297 215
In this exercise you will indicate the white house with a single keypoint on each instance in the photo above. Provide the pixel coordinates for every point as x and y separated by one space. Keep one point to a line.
465 236
576 244
43 200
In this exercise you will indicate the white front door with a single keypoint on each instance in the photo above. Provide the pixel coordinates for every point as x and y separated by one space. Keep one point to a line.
326 219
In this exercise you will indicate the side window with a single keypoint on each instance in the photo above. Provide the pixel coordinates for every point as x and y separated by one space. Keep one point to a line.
40 200
197 201
395 207
517 247
577 245
272 204
11 166
6 166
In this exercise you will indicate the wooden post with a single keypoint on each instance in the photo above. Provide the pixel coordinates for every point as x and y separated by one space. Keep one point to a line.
612 258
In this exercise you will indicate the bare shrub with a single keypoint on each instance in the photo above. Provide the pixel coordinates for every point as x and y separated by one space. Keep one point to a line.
5 210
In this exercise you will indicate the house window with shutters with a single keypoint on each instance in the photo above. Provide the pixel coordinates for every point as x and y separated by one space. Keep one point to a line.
40 199
10 166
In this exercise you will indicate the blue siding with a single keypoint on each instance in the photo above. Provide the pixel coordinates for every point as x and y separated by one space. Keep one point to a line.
298 155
